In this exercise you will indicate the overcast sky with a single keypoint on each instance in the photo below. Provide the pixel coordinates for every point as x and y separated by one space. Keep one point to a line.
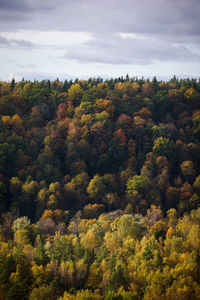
109 38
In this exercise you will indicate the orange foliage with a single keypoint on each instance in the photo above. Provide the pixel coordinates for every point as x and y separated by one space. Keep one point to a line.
6 120
170 232
62 110
147 91
48 214
144 113
138 121
120 135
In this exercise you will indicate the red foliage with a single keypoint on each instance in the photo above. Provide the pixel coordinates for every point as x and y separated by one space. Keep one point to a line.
62 110
126 120
120 135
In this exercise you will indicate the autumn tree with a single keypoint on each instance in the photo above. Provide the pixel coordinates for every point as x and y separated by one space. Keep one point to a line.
138 184
75 93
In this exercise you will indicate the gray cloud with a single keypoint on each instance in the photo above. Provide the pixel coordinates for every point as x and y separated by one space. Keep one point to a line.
13 43
24 5
117 50
19 14
17 5
180 17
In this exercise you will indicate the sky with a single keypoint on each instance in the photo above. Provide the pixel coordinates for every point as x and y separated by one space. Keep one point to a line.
107 38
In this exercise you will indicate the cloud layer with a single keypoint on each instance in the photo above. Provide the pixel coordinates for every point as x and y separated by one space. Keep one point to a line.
115 49
180 17
116 32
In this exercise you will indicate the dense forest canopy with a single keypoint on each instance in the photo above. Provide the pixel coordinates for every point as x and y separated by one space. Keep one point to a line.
100 189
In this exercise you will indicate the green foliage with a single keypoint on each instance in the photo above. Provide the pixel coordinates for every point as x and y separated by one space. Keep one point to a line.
75 93
21 223
7 266
42 292
96 187
164 147
138 184
18 291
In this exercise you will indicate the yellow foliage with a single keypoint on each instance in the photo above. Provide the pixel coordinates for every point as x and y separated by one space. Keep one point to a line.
17 122
89 241
111 241
6 120
67 296
14 277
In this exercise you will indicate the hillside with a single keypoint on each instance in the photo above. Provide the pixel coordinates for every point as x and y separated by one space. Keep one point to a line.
100 189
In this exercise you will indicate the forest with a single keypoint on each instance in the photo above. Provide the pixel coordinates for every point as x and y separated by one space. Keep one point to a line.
100 189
